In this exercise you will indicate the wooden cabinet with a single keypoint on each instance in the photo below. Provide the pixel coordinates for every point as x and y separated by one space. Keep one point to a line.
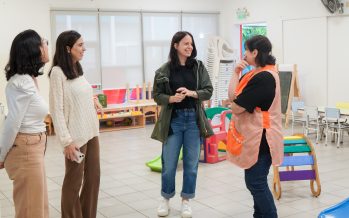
125 116
120 120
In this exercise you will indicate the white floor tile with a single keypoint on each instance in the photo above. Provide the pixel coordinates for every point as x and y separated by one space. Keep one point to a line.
129 189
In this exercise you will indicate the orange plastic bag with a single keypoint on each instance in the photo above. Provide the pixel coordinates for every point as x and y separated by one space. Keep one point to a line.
234 140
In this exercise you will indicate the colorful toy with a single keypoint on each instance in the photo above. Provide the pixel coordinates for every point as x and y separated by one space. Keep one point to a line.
299 151
340 210
222 146
109 123
127 121
217 142
102 98
156 165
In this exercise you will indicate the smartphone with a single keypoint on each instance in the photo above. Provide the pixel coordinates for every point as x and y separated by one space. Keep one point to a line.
79 156
247 69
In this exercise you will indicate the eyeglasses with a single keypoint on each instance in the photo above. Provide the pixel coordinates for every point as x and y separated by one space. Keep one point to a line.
45 41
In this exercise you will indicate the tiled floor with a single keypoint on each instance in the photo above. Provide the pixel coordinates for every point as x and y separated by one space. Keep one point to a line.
130 190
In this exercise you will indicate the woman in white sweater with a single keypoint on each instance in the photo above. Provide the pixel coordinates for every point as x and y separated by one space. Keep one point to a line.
23 138
73 111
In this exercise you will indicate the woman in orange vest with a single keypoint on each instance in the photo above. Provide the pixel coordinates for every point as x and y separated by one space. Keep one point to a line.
255 138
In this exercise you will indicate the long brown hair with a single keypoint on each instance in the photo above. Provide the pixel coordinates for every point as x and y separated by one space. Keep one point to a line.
63 58
173 56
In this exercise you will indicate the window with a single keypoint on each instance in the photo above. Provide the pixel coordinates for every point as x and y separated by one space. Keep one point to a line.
87 25
128 47
202 27
249 30
121 50
158 29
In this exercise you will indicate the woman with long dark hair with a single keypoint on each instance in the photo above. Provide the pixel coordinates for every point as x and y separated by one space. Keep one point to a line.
180 86
23 139
255 140
73 111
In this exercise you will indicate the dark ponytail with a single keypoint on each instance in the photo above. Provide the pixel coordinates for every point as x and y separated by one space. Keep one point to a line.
263 46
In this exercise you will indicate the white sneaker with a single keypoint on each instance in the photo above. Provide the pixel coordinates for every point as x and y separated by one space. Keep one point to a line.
164 207
186 209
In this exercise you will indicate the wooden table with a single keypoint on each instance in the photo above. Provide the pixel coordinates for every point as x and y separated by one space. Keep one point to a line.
344 112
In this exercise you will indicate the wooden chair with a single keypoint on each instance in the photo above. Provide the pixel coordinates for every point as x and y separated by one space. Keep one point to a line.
150 112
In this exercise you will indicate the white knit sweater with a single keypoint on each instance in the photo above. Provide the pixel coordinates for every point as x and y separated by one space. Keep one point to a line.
72 109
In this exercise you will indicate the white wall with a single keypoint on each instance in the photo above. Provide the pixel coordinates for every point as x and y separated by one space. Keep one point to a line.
273 12
18 15
338 67
316 55
304 43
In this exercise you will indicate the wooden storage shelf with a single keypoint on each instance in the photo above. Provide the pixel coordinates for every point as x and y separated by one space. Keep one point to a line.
119 123
116 114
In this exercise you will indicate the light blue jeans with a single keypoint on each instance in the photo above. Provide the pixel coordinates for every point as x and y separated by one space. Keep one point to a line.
186 133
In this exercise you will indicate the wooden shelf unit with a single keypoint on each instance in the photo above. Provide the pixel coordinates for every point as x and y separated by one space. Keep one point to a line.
119 113
119 123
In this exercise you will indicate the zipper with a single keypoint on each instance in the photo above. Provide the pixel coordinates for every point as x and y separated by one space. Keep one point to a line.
197 75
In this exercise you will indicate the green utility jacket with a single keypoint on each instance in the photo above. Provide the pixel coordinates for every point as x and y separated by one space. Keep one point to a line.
162 93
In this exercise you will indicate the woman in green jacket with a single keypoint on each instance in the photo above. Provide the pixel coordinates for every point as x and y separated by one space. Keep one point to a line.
180 86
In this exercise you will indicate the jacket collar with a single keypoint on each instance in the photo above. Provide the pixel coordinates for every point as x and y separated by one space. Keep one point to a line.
165 70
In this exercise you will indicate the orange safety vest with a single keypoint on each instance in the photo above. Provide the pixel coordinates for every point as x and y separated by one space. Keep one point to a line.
246 129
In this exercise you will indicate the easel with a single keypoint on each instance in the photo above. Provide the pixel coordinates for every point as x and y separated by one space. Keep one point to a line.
294 89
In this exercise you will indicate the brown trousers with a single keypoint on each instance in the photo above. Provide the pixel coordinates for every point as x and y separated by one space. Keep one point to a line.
25 166
87 174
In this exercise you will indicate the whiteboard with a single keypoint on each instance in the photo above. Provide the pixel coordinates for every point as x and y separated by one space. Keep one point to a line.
338 59
304 44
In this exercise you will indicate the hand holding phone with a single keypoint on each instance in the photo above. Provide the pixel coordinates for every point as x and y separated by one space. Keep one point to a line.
78 156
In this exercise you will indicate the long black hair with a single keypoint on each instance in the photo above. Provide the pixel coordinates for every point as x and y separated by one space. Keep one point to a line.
263 46
173 56
25 55
63 58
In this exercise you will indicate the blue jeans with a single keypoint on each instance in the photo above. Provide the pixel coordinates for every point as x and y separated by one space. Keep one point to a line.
257 184
186 133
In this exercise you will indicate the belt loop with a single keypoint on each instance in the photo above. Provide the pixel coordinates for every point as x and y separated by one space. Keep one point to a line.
45 143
